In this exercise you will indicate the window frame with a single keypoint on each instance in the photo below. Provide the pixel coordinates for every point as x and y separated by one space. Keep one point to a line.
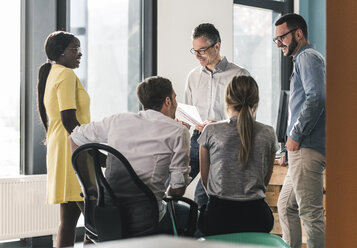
38 19
149 51
283 7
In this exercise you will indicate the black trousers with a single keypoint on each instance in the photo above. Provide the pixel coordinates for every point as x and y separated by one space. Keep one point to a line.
226 216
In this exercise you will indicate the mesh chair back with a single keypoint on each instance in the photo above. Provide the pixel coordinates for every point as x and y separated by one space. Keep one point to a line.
138 204
118 208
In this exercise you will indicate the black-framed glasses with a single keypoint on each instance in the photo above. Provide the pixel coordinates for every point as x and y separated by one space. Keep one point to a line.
202 50
281 37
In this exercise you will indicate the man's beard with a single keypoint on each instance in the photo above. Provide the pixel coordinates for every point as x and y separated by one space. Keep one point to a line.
292 46
173 112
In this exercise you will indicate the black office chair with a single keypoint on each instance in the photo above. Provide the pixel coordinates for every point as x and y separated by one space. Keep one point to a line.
131 213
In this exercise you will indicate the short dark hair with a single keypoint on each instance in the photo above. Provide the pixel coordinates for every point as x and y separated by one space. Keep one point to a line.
153 91
208 31
293 21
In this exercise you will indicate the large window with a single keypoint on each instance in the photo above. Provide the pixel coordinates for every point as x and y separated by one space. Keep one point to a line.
110 34
112 37
253 49
10 88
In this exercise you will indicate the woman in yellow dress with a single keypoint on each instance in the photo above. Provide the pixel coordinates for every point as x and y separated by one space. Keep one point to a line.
63 104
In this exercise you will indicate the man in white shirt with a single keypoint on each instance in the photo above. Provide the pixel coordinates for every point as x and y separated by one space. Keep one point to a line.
205 89
154 143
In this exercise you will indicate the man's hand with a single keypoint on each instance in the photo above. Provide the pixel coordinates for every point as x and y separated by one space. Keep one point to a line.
292 145
183 123
176 192
200 127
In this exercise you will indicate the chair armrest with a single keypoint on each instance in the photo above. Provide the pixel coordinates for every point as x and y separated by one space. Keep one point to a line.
192 217
181 198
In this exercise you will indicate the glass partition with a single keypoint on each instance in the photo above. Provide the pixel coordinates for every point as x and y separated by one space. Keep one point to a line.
254 50
10 88
110 35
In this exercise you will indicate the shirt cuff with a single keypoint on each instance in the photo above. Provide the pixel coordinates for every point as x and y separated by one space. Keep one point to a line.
77 137
295 137
179 179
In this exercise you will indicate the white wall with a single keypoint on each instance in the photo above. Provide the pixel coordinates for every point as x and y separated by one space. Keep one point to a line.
176 20
296 6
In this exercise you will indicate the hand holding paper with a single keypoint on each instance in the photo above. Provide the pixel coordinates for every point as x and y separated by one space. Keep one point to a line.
201 126
188 114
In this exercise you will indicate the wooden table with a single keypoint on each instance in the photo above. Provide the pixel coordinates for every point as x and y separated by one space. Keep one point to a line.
273 191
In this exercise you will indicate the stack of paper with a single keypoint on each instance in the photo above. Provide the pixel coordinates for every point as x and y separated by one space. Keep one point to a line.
188 114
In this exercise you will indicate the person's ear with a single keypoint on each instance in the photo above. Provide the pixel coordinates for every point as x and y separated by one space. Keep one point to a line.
299 34
217 46
167 101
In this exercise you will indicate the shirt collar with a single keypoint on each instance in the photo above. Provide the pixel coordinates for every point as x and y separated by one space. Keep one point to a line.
153 114
221 66
301 50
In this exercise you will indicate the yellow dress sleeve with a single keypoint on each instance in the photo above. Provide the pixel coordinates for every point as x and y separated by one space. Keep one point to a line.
66 90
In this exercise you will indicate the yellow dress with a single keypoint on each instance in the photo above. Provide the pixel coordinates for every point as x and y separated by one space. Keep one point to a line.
63 91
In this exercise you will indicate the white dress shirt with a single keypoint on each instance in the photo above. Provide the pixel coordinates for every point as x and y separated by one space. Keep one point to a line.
155 145
206 90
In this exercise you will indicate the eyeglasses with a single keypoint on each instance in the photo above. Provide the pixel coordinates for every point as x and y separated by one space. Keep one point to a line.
281 37
78 49
202 50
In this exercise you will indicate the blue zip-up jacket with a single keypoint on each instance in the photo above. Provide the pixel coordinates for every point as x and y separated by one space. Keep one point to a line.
307 111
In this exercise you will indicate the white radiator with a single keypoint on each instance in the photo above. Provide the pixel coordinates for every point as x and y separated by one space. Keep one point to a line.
23 212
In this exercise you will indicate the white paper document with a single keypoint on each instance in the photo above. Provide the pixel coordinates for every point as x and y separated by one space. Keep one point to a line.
188 113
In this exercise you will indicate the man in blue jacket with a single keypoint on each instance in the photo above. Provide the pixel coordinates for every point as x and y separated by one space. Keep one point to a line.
301 197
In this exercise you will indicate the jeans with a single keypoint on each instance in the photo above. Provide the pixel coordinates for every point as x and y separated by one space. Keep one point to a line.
194 155
200 196
301 198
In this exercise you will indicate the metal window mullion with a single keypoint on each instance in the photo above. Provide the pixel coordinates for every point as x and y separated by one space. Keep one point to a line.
266 4
38 20
63 15
149 38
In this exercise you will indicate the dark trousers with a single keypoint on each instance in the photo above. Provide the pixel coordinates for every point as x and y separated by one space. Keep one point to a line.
200 197
226 216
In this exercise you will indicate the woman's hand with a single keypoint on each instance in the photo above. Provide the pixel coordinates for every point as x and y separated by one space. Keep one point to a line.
200 127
